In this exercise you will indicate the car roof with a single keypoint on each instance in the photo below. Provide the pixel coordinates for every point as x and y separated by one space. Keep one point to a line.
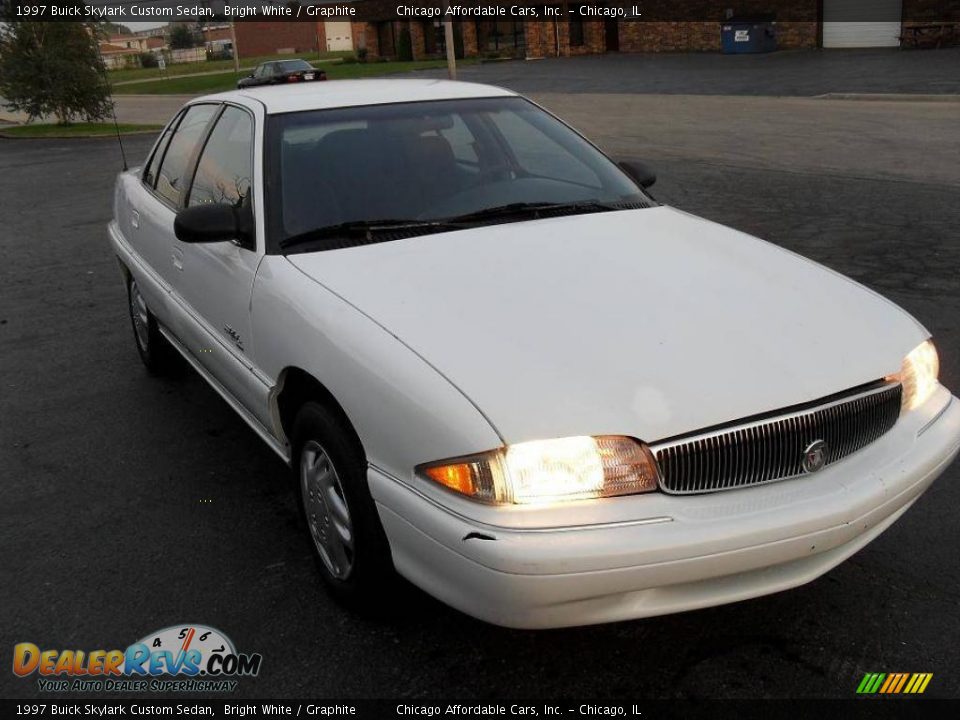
351 93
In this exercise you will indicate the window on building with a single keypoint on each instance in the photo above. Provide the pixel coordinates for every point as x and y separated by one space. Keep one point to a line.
434 37
385 40
498 35
576 32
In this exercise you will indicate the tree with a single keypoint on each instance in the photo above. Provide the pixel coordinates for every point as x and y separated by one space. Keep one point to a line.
116 29
180 36
53 68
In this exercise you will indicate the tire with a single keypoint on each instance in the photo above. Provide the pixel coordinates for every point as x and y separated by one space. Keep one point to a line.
154 350
340 517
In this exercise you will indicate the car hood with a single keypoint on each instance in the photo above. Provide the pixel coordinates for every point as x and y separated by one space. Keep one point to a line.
649 323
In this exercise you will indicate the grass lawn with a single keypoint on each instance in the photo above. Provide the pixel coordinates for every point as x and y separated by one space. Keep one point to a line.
192 68
228 81
72 130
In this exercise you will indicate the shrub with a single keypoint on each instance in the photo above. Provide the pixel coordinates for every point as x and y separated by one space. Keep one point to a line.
148 60
181 37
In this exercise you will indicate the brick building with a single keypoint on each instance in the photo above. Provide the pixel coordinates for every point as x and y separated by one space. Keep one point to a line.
798 24
255 39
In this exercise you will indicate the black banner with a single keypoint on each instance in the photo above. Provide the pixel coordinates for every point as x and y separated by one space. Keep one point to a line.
121 11
876 709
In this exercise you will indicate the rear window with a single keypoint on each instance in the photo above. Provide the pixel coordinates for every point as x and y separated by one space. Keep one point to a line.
293 66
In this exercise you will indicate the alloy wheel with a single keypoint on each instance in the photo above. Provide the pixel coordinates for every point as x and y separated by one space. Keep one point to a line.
328 515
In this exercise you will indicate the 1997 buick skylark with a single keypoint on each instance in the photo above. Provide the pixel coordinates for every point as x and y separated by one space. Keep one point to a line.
502 370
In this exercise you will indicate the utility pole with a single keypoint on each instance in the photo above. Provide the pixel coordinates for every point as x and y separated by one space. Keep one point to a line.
448 41
236 50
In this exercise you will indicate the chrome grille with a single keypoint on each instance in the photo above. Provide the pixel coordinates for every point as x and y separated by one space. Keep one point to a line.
773 448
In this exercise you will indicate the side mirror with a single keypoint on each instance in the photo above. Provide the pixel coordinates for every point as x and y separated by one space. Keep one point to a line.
215 222
641 174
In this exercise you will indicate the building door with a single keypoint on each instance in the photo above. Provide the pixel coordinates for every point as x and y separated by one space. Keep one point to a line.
612 32
861 23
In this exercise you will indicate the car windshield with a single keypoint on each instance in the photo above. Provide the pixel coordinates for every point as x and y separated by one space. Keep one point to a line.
434 165
286 66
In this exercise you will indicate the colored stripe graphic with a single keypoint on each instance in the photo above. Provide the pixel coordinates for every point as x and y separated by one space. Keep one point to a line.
891 680
862 687
903 679
894 683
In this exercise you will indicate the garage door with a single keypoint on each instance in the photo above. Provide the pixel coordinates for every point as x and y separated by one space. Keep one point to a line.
861 23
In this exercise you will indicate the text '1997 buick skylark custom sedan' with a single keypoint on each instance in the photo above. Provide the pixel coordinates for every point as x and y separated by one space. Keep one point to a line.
501 369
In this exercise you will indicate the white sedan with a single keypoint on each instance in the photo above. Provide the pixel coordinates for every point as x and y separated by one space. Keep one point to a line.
501 369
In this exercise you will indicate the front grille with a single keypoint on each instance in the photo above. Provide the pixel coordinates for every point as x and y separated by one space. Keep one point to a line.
773 448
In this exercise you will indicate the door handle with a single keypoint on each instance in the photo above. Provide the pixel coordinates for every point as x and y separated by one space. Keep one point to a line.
135 218
177 258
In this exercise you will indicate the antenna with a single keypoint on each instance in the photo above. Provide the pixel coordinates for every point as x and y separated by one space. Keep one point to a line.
113 106
116 126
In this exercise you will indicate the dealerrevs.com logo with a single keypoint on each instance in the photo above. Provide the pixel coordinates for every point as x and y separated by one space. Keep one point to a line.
180 658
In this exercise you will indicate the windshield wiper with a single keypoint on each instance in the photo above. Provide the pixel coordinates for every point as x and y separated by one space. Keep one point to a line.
532 209
364 230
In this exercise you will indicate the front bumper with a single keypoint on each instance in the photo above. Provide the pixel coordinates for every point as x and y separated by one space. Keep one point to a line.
674 553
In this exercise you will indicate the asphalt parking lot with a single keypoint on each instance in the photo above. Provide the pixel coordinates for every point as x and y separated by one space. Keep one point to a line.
134 503
794 73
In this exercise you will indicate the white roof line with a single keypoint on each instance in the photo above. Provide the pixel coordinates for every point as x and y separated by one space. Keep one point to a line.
351 93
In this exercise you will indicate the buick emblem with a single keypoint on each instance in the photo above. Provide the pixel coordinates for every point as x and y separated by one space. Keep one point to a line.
815 456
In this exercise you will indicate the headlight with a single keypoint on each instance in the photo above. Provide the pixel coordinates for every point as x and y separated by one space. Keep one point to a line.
546 471
919 374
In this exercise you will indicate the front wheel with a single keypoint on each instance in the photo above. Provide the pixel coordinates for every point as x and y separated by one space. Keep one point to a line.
153 348
350 547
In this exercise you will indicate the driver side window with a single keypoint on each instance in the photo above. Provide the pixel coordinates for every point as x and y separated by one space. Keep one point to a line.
225 171
172 175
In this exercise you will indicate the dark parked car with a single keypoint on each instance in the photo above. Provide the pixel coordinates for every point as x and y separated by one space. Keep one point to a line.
280 72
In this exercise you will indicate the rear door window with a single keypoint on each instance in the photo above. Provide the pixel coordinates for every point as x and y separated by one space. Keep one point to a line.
150 174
